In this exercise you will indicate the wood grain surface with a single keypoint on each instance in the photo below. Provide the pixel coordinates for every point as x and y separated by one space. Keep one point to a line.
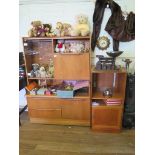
40 139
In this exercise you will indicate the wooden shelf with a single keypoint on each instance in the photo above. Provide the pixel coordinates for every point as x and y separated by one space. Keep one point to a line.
39 78
106 106
70 38
99 95
51 38
77 96
70 53
37 38
62 79
122 70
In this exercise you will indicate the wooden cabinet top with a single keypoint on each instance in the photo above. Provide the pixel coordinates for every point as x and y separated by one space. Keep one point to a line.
122 70
48 38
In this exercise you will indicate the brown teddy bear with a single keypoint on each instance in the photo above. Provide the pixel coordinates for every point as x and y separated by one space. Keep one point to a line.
67 29
48 30
37 29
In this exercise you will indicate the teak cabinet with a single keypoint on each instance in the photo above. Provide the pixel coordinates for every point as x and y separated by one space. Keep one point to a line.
79 110
106 117
50 109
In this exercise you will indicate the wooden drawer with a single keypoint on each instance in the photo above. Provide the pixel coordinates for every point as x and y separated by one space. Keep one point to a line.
45 113
43 103
78 109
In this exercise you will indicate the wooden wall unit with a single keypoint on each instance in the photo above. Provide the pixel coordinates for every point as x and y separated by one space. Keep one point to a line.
67 66
78 110
108 118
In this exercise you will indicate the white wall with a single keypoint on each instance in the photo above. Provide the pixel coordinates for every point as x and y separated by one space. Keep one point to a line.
66 12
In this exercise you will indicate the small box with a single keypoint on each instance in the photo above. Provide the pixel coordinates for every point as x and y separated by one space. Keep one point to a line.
41 91
65 93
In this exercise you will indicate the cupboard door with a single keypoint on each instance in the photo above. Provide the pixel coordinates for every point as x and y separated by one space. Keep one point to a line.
71 66
77 109
107 118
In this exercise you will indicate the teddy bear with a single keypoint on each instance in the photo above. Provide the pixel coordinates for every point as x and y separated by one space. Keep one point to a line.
59 29
35 70
37 29
82 26
67 29
42 72
60 46
77 47
48 30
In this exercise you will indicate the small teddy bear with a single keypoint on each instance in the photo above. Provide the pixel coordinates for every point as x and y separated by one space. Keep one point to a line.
76 47
82 26
59 29
35 70
48 30
37 29
60 47
67 29
42 72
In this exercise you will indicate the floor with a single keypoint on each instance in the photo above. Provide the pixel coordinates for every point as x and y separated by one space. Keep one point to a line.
39 139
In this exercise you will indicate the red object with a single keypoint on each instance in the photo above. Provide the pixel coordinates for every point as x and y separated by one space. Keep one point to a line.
60 45
114 102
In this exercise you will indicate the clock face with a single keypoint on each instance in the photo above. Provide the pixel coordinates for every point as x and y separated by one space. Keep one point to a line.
103 43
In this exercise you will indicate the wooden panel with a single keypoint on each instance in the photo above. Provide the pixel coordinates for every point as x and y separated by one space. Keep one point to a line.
45 113
102 81
60 121
76 109
121 83
43 103
71 66
106 118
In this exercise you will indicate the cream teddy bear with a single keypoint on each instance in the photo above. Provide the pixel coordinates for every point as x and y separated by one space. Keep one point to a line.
59 29
82 26
42 72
